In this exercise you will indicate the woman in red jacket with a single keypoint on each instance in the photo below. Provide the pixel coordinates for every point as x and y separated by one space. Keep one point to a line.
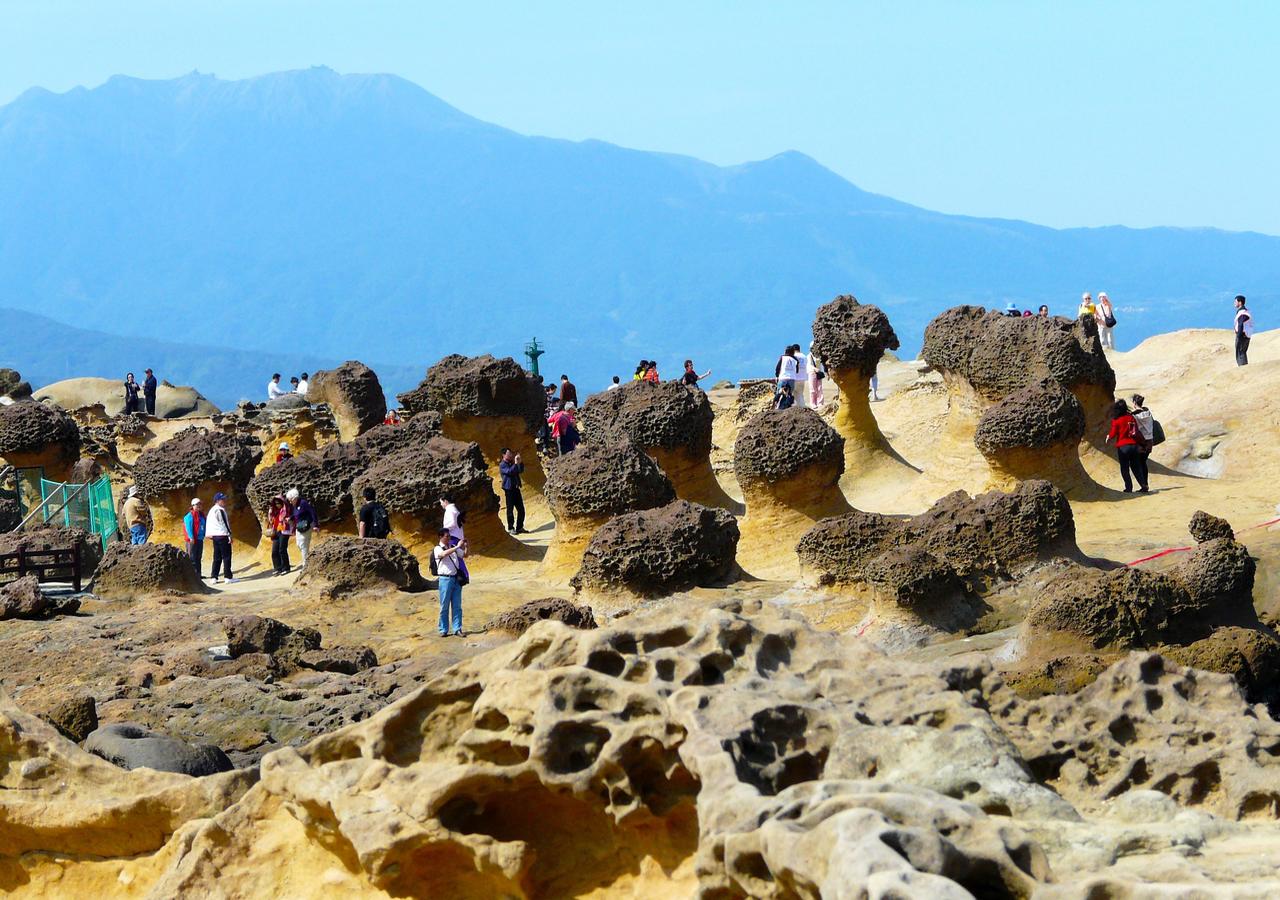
1129 446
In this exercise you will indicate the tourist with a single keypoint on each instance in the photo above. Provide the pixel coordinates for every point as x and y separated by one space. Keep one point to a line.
131 389
193 524
305 523
293 384
149 385
544 438
568 393
137 517
617 383
1106 320
283 452
785 372
564 429
373 519
1128 437
449 565
817 375
454 519
651 372
640 370
1044 311
273 388
219 531
391 418
280 518
1086 306
1011 310
511 467
785 398
802 374
875 387
690 376
1146 424
1243 330
303 385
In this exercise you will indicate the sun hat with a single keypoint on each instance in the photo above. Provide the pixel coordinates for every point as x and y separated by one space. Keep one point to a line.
1011 307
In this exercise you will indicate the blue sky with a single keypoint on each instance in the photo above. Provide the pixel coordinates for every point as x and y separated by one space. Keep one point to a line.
1080 113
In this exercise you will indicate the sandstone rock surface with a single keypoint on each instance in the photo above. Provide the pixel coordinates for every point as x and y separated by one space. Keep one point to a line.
194 457
354 394
38 434
478 386
130 571
519 620
597 481
779 444
341 564
852 336
23 599
172 401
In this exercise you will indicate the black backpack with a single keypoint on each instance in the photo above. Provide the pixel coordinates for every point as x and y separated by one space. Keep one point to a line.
433 563
379 523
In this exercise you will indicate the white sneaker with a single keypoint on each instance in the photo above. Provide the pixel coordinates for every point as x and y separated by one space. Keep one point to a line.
217 581
233 580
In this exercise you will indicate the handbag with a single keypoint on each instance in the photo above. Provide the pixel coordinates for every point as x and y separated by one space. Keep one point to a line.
1110 321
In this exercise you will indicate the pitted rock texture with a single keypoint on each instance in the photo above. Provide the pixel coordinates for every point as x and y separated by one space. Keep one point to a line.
55 537
28 427
23 599
12 385
602 480
666 415
1040 415
780 443
463 386
129 571
519 620
194 456
998 355
341 564
656 552
259 634
354 394
412 480
287 402
982 539
852 335
1204 527
131 746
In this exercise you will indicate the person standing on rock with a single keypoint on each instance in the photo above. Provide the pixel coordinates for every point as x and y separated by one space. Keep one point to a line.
454 519
449 568
193 524
568 393
131 389
283 452
691 376
303 385
785 371
305 523
802 375
280 515
1243 330
651 372
511 467
293 384
1129 443
617 383
373 518
149 391
1044 311
137 517
218 527
817 375
564 429
273 388
640 370
1106 321
1086 306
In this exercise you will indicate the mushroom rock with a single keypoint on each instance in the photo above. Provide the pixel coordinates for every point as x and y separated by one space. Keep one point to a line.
984 357
934 572
1205 527
12 387
172 401
196 462
353 393
493 402
788 463
39 435
127 572
410 483
850 338
591 485
1034 433
667 420
343 564
658 552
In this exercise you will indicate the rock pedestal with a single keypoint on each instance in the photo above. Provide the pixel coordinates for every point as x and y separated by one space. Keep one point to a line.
353 393
1034 433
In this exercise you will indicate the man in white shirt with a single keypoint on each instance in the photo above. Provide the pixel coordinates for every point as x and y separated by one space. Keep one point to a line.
273 388
303 385
448 558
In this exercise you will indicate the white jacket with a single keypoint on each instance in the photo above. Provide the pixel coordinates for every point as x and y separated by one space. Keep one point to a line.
217 523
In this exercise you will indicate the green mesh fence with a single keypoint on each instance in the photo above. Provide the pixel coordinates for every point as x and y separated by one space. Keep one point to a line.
92 509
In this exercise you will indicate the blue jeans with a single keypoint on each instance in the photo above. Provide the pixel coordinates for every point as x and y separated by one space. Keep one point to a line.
450 604
138 534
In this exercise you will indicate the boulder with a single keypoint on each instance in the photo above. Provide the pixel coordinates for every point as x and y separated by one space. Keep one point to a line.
344 660
287 402
519 620
461 387
23 599
172 401
75 716
38 434
354 394
1204 527
194 457
322 476
657 552
129 571
777 446
10 383
342 564
248 634
131 746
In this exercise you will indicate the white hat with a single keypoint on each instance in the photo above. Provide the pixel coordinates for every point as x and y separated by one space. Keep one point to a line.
284 445
195 501
291 494
571 405
133 491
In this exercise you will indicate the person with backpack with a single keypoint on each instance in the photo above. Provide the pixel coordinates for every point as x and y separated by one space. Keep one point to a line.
785 398
305 522
1106 316
784 373
817 374
1243 330
280 516
219 531
511 467
373 519
448 567
193 524
1129 446
454 520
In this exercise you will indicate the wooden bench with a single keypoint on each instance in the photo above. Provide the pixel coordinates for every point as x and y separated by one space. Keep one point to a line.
44 564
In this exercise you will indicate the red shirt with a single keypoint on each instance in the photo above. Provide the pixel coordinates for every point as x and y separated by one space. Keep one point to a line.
1124 430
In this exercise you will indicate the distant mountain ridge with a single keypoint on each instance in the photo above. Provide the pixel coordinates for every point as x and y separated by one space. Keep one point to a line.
340 216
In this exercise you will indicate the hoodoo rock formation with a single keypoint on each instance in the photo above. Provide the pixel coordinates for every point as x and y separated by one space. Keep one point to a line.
788 463
667 420
1034 433
354 394
129 571
39 435
411 481
851 337
341 565
172 401
493 402
657 552
12 387
199 463
588 487
985 357
929 572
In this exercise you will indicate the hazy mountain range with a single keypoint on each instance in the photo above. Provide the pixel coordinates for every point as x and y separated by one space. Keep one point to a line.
314 216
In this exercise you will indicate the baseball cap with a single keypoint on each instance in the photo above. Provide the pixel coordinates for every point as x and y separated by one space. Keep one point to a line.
219 496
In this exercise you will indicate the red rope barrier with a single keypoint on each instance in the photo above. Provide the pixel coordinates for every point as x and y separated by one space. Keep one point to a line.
1185 549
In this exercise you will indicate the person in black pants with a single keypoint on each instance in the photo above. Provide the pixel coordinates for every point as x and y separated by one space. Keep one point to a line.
511 466
149 392
218 529
1244 331
131 389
